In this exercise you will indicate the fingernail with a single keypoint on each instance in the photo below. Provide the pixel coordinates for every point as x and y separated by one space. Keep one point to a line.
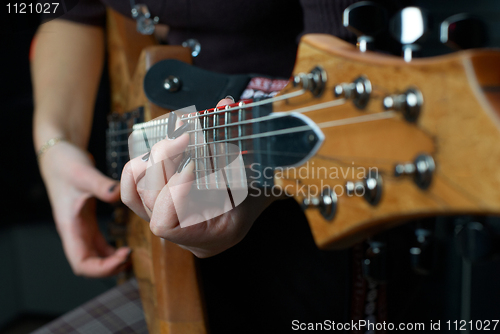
230 97
112 188
172 118
179 132
145 157
184 163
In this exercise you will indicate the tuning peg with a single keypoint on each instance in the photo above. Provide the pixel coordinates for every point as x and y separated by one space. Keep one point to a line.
370 188
365 19
422 169
421 254
463 31
409 26
408 103
326 203
358 91
374 265
478 242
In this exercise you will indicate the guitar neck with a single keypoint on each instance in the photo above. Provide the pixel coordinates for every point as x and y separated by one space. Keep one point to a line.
235 145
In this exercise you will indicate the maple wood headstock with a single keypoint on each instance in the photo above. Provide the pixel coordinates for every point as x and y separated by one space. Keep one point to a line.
417 138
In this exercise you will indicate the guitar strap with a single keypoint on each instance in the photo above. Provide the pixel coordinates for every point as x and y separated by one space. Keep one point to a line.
368 300
204 88
195 86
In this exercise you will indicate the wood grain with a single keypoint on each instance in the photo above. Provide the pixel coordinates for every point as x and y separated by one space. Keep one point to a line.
459 126
166 273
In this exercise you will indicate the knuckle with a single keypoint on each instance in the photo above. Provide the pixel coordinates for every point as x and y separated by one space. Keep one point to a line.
155 228
155 152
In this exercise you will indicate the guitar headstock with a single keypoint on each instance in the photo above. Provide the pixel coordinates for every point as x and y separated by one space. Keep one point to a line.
403 139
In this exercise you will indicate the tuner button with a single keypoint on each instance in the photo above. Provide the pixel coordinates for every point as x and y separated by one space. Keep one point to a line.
477 242
314 81
370 188
194 45
409 26
463 31
409 103
374 265
365 19
421 255
326 203
422 170
359 91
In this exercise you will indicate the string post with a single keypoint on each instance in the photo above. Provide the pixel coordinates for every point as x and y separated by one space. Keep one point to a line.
408 103
421 169
358 91
370 188
314 81
326 203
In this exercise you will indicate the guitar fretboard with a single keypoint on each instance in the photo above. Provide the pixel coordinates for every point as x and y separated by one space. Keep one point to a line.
218 137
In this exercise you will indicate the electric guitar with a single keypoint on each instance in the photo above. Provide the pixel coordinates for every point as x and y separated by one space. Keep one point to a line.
363 141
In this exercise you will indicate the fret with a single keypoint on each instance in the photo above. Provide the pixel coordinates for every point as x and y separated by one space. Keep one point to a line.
157 132
206 149
163 128
152 137
210 136
227 120
197 141
118 150
111 146
215 135
236 170
241 117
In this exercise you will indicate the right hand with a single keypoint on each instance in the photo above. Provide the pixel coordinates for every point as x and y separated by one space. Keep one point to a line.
72 181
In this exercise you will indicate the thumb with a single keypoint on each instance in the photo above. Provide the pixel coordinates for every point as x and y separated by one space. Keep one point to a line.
99 185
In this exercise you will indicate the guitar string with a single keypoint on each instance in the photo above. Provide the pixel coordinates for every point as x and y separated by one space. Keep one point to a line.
155 124
163 121
329 124
210 184
346 121
352 120
276 115
335 123
336 158
318 106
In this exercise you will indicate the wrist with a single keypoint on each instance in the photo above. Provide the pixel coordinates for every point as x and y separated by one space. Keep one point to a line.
47 145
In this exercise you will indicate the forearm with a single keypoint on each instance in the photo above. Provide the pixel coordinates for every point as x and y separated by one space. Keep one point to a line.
66 69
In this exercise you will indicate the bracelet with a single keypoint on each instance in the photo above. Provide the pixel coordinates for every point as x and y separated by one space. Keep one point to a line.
48 144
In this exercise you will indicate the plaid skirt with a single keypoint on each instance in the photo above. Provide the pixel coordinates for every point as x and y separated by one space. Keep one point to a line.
117 311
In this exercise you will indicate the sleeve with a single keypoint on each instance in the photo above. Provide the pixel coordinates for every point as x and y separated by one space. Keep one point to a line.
91 12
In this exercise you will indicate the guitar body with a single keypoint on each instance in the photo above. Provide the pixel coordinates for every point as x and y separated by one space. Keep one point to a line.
166 273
